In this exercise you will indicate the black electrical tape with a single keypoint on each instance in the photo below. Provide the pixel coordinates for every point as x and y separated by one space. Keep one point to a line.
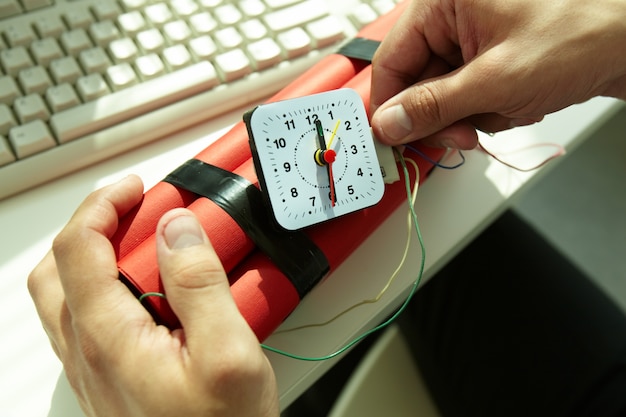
302 262
359 48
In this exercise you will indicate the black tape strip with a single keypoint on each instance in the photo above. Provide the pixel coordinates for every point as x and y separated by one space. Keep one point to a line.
293 253
360 48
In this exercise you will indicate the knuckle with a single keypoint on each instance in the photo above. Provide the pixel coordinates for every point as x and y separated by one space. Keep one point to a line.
238 364
425 105
62 242
34 282
201 273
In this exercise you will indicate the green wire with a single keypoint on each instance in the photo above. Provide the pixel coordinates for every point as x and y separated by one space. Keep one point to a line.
150 294
404 305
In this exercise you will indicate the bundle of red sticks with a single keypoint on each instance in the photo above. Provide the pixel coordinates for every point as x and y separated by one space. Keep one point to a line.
263 293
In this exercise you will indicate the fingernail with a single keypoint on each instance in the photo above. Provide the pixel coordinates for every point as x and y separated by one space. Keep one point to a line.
182 232
395 122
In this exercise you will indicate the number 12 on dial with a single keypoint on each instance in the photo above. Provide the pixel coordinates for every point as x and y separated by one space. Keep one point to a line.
315 157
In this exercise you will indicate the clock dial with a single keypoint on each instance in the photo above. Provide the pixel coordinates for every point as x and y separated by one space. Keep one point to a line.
315 157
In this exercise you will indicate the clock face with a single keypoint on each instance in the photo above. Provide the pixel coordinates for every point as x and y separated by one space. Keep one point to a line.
315 157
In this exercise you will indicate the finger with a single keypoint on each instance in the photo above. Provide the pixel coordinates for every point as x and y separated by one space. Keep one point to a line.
398 61
460 135
434 68
432 105
85 258
413 51
196 285
492 122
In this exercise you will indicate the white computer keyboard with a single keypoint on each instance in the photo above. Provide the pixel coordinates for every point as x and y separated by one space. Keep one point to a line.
84 80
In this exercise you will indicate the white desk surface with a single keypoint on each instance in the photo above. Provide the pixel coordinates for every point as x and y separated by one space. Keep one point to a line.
452 206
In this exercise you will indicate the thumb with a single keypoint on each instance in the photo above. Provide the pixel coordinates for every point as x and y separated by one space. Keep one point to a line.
432 106
195 283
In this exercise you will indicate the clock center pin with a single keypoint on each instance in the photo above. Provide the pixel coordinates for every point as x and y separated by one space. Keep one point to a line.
325 156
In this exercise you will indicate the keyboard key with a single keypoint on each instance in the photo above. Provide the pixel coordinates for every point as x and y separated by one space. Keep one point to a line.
149 66
9 8
120 76
177 57
123 50
104 32
228 38
362 15
9 90
14 60
91 87
252 8
295 42
326 31
184 8
151 40
106 10
131 22
31 107
49 26
75 41
31 138
94 60
61 97
35 4
158 14
7 119
233 64
34 80
127 104
203 23
253 29
265 53
6 155
203 47
78 19
130 5
65 70
295 16
177 32
19 35
45 51
227 14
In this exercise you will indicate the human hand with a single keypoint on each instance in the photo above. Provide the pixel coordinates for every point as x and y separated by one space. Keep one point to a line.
118 361
450 66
